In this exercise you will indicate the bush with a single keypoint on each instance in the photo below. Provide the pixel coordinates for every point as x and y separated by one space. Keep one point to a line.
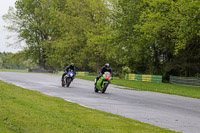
125 70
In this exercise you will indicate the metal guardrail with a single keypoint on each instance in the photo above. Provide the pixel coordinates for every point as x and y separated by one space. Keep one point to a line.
77 73
185 80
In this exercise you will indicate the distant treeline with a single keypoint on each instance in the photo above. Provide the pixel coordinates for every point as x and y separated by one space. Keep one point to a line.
140 36
19 61
8 61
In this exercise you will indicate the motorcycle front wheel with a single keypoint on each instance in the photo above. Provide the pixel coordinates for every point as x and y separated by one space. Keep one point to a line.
68 81
104 87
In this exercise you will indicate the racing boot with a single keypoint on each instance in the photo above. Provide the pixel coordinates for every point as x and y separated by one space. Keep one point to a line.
62 82
95 82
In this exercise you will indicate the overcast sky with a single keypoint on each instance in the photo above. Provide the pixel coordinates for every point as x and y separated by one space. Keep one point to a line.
4 5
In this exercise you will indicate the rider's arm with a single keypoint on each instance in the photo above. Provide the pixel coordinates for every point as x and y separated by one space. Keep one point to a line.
102 70
67 69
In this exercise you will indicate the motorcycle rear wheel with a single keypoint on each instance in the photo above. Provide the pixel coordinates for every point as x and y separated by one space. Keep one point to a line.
95 89
62 84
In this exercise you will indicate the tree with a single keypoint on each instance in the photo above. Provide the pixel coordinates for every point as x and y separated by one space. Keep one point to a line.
154 35
83 29
147 36
188 38
12 61
31 22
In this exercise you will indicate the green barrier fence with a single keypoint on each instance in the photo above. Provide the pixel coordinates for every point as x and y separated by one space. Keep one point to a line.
185 80
82 73
143 77
77 73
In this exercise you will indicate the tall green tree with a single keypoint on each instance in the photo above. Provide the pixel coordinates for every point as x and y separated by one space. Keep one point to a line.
126 42
158 35
84 33
58 32
188 38
31 21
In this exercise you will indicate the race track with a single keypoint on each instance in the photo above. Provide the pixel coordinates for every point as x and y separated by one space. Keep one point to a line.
169 111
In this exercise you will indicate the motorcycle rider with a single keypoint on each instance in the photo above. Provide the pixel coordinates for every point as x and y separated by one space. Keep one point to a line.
70 67
105 68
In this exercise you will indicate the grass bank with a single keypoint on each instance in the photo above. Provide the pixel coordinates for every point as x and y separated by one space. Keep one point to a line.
12 70
23 110
182 90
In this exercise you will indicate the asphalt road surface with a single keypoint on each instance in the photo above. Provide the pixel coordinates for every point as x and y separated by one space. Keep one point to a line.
169 111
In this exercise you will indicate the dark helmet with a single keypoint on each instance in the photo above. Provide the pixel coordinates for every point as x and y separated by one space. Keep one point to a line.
107 66
72 65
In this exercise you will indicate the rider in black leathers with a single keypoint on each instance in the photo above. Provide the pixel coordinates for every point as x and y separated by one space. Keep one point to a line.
105 68
71 66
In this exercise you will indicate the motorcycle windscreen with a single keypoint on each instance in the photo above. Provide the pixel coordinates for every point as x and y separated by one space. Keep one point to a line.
107 75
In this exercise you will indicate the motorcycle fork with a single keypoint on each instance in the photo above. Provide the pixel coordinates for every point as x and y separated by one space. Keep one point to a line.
103 83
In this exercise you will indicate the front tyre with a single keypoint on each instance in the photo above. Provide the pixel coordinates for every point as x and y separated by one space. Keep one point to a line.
68 81
104 88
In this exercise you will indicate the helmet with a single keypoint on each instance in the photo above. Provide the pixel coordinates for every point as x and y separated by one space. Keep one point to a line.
107 66
72 65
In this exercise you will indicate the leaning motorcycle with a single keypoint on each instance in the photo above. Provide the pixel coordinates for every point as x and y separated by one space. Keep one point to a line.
103 82
68 78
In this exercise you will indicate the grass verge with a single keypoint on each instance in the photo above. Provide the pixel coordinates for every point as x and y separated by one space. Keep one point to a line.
23 110
12 70
182 90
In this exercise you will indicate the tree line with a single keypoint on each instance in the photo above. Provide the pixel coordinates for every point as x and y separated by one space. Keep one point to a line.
18 61
11 61
140 36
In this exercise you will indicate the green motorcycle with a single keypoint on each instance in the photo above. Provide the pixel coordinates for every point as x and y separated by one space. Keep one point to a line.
103 82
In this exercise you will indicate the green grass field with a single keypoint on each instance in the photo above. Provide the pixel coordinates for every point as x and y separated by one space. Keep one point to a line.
23 110
182 90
